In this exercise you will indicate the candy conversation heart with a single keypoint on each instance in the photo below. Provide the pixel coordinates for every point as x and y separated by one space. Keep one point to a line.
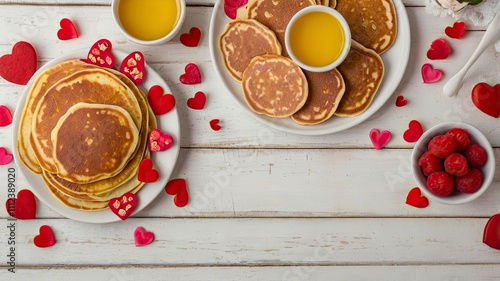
133 67
100 54
124 205
431 75
143 237
19 66
380 139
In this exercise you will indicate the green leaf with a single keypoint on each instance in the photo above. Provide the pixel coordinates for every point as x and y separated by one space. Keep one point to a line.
471 2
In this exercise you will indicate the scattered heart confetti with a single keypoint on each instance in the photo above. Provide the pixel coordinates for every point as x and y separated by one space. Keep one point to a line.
5 158
415 198
68 30
158 141
124 205
401 101
133 66
439 50
191 75
491 233
146 172
191 39
214 124
45 238
5 116
100 54
23 207
231 7
430 75
178 188
414 131
456 31
143 237
160 103
380 140
487 98
198 101
19 66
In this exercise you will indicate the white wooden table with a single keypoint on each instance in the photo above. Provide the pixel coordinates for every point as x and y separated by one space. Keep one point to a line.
265 205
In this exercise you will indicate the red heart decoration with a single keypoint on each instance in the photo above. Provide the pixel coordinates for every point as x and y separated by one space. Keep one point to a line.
191 75
491 233
379 140
5 116
5 158
23 207
191 39
487 98
198 101
124 205
45 238
401 101
178 188
19 66
414 131
160 103
68 30
430 75
134 68
158 141
439 50
456 31
146 172
214 124
143 237
231 7
100 54
415 198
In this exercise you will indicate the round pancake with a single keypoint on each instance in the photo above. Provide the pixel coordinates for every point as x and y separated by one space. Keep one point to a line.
241 41
274 85
332 4
363 71
373 23
93 141
325 91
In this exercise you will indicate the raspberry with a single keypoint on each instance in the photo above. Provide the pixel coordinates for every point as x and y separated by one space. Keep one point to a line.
440 183
442 146
430 163
456 165
476 156
470 182
461 137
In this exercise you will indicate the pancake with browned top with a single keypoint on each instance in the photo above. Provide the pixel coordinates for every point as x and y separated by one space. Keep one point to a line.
274 86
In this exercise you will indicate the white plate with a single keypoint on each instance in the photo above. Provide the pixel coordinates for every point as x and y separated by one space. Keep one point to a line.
395 61
168 123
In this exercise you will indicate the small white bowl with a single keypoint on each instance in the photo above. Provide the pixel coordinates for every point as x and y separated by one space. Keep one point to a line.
456 197
181 15
344 25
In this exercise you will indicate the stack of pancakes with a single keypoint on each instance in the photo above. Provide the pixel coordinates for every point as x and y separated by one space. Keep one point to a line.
84 130
253 51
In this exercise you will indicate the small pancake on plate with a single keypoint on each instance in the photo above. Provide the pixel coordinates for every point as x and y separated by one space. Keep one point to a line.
325 91
363 71
373 23
332 3
274 85
241 41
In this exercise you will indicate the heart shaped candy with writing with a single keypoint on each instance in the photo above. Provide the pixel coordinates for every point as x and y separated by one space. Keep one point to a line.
100 54
191 39
379 140
124 205
401 101
439 50
68 30
19 66
5 116
430 75
143 237
5 158
146 172
415 198
231 7
158 141
191 75
160 103
45 238
456 31
198 101
23 207
414 131
133 67
487 98
214 124
491 233
178 188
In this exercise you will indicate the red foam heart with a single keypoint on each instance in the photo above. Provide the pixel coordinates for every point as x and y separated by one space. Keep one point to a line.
191 75
5 158
160 103
487 98
5 116
19 66
491 233
178 188
198 101
100 54
133 67
430 75
146 172
379 140
191 39
124 205
214 124
401 101
143 237
415 198
158 141
23 207
414 131
456 31
68 30
45 238
439 50
231 7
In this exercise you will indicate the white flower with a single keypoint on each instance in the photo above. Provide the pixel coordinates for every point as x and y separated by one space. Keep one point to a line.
453 5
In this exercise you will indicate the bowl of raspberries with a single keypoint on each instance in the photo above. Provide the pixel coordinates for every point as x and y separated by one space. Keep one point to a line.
453 163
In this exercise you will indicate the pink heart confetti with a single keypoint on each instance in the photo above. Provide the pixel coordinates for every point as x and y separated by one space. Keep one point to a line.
143 237
5 158
380 139
5 116
431 75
